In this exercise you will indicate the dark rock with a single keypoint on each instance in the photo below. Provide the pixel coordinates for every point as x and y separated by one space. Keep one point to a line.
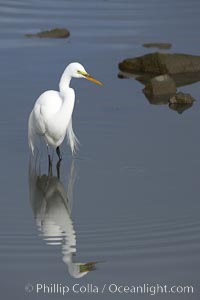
158 45
181 98
183 70
180 108
161 63
180 102
53 33
157 100
160 85
122 76
181 79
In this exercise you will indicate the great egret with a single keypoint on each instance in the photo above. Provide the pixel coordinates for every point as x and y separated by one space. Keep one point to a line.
51 117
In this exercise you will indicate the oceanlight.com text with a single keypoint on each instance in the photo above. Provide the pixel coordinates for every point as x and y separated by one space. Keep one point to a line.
109 288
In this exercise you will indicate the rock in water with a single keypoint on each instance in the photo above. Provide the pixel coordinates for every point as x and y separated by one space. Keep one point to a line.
180 102
180 108
160 85
161 63
57 33
181 98
158 45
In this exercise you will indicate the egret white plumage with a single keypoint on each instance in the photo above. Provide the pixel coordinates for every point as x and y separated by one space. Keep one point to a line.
51 117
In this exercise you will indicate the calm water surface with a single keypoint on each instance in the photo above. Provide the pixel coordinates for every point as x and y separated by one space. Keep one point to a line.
129 200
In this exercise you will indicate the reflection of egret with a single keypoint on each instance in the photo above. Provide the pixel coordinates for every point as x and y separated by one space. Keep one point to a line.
51 117
52 206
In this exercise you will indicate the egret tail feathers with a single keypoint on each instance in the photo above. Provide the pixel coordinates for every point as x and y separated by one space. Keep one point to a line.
72 139
31 134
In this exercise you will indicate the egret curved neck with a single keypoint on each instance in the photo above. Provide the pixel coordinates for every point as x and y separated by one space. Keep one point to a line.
64 82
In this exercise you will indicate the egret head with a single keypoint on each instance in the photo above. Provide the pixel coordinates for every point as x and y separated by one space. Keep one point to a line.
76 70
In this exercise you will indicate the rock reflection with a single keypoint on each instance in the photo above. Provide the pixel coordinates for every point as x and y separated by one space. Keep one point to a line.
52 205
179 79
179 108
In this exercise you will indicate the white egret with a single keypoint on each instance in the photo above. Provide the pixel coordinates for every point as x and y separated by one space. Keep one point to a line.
51 117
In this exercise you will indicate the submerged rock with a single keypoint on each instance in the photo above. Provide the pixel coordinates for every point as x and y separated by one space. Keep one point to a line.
183 79
158 45
122 76
180 79
53 33
181 98
161 63
161 74
180 102
160 85
157 100
180 108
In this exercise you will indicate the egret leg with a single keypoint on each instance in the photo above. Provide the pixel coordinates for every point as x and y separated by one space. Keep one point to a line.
58 153
58 168
50 166
48 152
50 162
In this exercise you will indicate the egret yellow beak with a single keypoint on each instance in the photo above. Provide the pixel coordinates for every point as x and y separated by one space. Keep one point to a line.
88 77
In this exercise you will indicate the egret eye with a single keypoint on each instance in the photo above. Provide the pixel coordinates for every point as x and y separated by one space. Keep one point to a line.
82 73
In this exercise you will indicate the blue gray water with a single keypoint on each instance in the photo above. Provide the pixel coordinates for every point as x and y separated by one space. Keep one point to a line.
129 200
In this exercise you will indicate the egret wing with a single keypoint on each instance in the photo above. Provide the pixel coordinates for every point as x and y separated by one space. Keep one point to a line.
46 106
